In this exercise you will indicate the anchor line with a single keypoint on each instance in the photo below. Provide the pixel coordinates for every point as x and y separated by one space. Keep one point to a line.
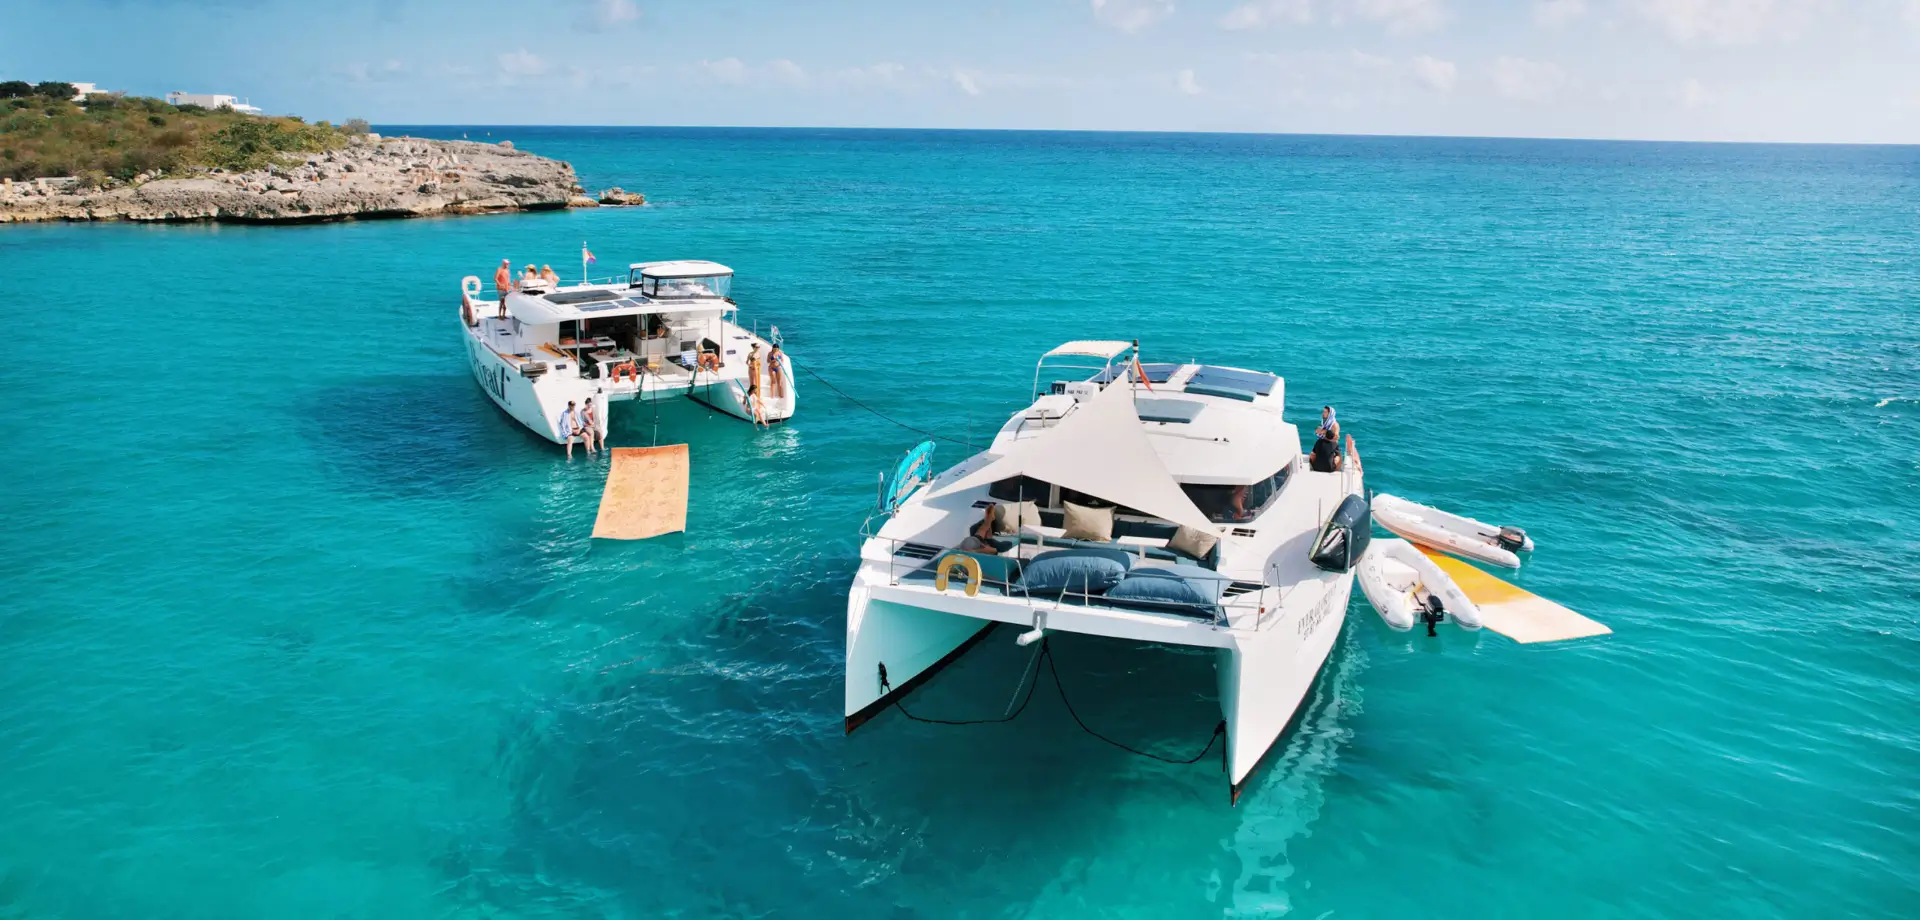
883 416
1046 652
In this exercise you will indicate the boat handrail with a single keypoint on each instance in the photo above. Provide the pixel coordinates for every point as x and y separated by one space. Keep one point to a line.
1225 612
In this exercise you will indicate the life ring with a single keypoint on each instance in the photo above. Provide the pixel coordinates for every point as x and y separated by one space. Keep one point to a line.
969 566
626 368
470 285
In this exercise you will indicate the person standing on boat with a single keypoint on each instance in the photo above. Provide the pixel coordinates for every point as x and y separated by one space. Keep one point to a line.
590 426
776 373
503 282
753 385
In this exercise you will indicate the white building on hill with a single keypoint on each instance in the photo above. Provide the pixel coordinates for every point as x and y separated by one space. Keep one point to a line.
83 90
211 101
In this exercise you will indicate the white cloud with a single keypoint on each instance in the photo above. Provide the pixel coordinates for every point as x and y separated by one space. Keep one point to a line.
1729 22
1187 84
601 15
1435 74
729 71
521 63
1694 95
1263 13
1557 14
787 72
965 81
1525 80
1403 17
1913 13
1131 16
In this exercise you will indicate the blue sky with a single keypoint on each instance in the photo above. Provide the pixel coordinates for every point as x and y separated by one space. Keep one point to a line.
1773 70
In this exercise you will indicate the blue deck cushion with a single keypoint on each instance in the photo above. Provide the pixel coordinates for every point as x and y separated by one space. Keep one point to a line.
1086 570
1173 587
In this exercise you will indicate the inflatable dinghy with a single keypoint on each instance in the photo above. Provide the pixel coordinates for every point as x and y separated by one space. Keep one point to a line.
1461 536
1408 588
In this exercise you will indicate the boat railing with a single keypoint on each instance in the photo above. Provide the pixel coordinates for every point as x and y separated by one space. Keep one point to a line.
1240 602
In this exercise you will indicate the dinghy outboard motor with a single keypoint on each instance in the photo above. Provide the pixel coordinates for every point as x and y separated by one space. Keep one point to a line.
1344 537
1511 539
1432 613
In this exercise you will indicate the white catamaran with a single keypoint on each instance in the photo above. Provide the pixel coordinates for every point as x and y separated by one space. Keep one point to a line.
1161 503
668 328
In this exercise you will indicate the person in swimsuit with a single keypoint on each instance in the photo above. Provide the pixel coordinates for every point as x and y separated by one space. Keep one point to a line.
590 427
776 373
547 275
979 538
503 282
753 385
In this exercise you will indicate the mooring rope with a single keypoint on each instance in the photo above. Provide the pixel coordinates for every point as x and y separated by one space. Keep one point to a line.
883 416
1046 652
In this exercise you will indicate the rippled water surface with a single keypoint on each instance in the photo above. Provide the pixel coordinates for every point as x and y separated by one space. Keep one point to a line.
297 624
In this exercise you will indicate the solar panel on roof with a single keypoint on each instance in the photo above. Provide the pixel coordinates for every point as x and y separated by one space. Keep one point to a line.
598 307
1222 378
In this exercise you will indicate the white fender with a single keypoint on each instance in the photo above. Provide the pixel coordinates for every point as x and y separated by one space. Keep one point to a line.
1394 573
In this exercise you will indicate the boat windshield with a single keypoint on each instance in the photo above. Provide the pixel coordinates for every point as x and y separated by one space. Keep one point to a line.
688 288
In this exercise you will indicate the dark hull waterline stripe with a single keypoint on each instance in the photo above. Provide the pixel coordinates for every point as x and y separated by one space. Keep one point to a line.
873 709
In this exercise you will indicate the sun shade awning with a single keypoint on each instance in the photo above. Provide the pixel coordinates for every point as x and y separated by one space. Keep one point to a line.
1091 349
1099 449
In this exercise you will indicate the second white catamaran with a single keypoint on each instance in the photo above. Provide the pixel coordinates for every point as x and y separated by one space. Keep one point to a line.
1160 503
668 327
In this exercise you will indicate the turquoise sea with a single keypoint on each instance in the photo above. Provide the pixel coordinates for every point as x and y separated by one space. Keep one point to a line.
296 624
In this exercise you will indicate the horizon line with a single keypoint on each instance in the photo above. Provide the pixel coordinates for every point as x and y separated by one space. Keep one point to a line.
1146 131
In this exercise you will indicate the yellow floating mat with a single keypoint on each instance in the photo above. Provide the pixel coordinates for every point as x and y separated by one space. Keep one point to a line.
1518 614
646 493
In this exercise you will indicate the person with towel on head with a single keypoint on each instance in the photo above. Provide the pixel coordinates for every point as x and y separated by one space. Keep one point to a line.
1326 444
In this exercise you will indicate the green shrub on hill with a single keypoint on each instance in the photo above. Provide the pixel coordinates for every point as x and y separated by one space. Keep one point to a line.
110 137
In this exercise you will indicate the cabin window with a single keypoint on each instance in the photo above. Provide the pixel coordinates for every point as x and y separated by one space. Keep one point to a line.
1022 489
1217 502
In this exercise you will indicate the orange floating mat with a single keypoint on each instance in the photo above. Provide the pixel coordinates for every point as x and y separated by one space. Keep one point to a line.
646 493
1511 611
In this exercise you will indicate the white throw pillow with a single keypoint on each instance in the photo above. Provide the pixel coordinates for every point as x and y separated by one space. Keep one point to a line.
1015 515
1094 525
1195 543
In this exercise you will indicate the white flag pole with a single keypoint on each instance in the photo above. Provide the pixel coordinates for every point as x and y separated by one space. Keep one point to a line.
583 261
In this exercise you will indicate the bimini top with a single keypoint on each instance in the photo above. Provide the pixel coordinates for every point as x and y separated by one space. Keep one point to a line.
1092 349
684 268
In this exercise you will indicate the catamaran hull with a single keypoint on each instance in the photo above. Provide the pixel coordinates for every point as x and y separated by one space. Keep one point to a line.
535 402
1263 675
913 643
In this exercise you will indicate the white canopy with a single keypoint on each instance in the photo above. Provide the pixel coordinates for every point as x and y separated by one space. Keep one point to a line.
1092 349
1100 449
685 268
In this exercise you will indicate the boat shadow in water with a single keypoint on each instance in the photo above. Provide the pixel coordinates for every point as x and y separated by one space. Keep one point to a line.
428 436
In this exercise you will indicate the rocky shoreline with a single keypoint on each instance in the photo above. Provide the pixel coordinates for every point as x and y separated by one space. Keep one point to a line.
370 177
